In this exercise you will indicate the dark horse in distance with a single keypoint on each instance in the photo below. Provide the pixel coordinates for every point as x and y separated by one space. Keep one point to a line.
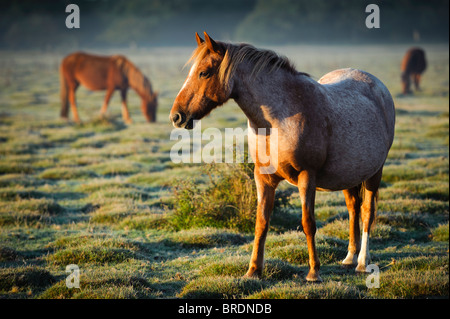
108 73
413 65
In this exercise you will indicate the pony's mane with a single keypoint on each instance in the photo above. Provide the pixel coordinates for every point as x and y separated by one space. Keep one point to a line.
136 79
262 60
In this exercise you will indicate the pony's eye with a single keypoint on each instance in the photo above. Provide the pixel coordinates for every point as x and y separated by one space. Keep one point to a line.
204 74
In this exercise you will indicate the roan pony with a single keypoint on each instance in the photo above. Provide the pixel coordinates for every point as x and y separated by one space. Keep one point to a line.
108 73
333 134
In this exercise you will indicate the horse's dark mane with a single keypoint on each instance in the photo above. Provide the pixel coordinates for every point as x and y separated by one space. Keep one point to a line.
262 60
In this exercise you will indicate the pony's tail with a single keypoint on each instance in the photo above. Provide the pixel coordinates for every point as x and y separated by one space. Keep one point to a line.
63 94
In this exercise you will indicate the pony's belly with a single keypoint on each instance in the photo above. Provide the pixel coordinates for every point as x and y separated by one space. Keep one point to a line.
345 178
331 185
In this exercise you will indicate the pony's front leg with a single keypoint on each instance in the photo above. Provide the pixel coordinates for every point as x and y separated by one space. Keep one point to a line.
266 194
125 113
307 189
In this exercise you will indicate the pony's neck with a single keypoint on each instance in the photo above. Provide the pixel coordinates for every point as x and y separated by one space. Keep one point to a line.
266 98
143 88
138 82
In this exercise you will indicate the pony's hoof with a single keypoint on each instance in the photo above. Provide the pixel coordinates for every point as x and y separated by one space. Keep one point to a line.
350 261
255 274
361 269
313 277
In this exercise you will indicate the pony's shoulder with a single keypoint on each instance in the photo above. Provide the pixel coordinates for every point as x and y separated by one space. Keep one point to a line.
119 60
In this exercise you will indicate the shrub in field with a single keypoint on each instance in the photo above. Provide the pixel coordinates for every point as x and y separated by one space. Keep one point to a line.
440 233
228 200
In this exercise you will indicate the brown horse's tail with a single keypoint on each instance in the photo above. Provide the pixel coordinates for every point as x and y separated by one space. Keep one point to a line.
63 94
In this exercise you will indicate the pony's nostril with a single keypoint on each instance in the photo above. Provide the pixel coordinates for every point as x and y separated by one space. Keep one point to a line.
176 118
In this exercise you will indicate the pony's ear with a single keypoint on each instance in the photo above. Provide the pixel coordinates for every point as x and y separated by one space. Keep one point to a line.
199 40
212 45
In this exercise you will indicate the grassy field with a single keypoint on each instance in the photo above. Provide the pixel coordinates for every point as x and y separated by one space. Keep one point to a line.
102 194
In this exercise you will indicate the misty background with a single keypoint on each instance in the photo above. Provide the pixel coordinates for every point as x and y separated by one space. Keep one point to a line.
30 24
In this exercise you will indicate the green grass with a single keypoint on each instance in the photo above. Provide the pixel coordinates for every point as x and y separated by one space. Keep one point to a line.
106 196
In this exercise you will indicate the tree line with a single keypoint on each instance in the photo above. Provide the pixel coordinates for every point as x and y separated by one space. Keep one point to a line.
118 23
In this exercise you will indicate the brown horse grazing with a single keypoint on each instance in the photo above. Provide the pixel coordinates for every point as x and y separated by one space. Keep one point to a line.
413 65
104 73
334 134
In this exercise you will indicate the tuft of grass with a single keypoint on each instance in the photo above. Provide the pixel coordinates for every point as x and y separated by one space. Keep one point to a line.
440 233
66 173
27 212
208 237
41 206
12 168
90 249
340 229
228 200
219 288
145 222
412 284
24 281
8 254
429 206
102 285
88 255
296 290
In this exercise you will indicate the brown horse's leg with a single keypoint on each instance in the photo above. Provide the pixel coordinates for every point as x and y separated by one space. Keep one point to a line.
353 202
73 105
125 113
108 95
368 214
417 81
307 189
266 196
406 83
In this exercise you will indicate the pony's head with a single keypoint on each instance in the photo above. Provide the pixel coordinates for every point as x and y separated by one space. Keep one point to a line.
205 87
149 105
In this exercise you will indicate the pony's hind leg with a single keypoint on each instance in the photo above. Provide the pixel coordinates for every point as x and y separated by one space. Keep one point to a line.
108 95
368 215
353 202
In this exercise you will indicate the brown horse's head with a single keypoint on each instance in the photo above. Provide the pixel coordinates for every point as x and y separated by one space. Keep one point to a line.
148 107
204 88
